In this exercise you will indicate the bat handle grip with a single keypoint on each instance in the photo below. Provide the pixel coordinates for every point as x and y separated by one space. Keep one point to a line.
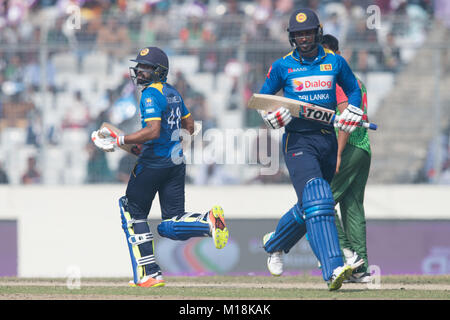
367 125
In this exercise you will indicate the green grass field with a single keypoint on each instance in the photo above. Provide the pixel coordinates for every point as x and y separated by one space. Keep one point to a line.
226 288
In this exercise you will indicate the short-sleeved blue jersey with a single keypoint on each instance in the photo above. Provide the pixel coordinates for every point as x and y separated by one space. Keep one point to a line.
312 81
161 101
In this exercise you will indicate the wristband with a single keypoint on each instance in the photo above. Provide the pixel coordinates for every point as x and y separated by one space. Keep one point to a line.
120 140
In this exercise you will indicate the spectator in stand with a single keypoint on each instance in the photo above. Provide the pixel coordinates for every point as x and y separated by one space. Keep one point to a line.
113 39
391 54
32 174
259 30
360 58
229 27
277 23
86 38
332 25
77 114
193 35
183 86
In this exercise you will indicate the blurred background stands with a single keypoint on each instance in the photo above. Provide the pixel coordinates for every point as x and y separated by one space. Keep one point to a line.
58 83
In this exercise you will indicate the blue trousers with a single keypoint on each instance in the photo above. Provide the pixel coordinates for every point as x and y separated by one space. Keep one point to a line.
145 182
309 155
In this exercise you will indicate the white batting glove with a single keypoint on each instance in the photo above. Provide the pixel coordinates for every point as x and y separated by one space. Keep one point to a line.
277 119
349 119
106 139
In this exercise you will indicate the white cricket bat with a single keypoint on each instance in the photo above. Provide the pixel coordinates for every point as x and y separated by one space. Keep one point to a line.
299 109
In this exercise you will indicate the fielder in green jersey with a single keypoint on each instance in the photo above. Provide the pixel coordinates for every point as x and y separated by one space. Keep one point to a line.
349 183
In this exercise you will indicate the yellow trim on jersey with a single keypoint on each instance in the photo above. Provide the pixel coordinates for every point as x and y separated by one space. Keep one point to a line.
328 51
157 85
150 119
186 116
291 54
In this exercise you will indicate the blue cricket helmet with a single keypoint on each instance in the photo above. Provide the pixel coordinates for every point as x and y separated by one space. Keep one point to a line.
302 20
154 57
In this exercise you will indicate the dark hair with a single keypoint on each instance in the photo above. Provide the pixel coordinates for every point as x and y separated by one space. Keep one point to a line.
331 42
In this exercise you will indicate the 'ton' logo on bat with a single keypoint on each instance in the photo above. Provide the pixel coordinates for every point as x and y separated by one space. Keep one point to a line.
318 115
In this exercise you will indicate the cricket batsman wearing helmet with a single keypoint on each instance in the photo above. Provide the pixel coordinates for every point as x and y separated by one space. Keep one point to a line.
158 170
310 73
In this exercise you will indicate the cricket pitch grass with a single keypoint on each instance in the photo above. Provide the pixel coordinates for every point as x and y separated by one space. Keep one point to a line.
303 287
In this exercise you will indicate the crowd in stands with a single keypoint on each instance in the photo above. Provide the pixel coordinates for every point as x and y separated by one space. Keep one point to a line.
212 30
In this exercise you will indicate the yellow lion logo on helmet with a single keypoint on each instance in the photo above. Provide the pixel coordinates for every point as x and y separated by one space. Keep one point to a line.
144 52
301 17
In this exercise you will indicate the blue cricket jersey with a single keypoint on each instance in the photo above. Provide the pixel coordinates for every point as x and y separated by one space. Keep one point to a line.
312 81
161 101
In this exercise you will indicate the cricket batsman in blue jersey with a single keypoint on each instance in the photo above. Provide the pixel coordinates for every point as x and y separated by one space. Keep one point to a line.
310 73
158 170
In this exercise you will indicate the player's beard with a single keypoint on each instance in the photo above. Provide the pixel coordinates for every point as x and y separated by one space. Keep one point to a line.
306 47
141 81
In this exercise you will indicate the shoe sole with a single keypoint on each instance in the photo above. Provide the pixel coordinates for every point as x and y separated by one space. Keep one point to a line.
344 275
144 285
365 278
351 280
219 232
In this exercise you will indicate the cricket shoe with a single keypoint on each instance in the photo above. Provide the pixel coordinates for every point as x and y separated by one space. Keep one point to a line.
361 277
149 281
354 261
340 274
218 227
275 259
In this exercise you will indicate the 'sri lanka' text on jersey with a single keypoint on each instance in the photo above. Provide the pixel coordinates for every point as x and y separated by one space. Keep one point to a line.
161 101
312 81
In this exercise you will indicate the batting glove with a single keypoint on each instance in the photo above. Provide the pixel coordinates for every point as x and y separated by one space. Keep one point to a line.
277 119
106 139
349 119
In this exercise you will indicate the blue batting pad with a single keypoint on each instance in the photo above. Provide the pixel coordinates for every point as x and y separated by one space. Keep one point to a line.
184 226
290 229
139 241
318 205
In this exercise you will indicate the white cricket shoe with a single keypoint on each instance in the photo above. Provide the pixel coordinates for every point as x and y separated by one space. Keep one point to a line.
275 259
275 263
354 261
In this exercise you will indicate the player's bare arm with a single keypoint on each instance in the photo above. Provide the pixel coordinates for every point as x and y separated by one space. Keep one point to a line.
187 123
150 132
